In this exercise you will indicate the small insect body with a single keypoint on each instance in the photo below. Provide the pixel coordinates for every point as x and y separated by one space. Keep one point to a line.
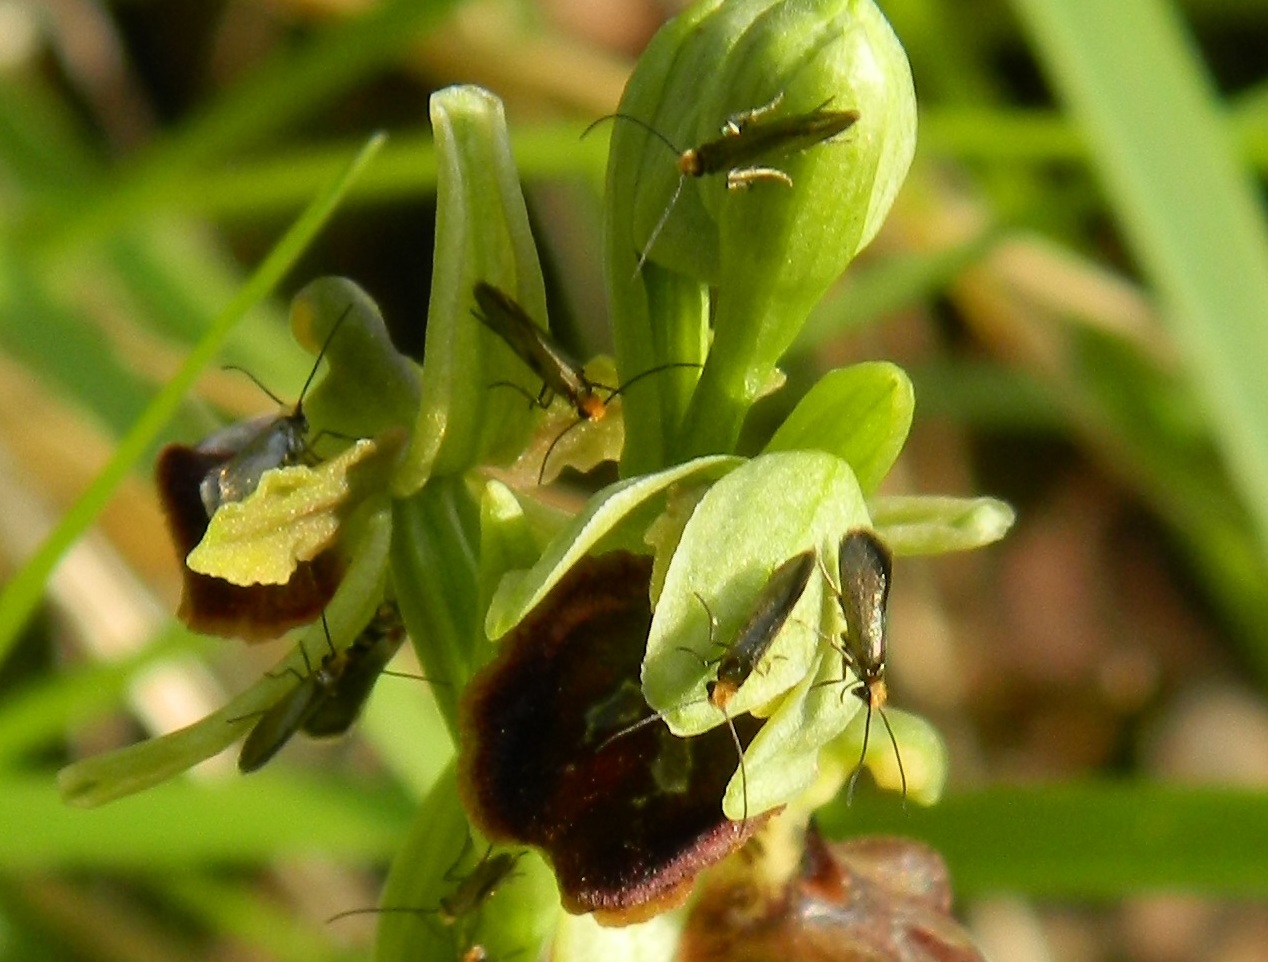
749 136
745 652
348 689
746 138
758 633
771 612
559 373
258 445
478 886
329 697
467 897
865 565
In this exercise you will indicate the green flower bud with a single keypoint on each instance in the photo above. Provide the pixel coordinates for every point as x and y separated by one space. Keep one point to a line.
785 199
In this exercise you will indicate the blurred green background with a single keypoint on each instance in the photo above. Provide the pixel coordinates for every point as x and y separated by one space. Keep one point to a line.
1076 276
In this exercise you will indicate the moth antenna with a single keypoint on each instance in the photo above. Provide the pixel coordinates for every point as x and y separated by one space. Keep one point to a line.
858 769
299 405
325 626
256 381
660 225
412 676
541 474
739 750
898 756
653 370
634 120
375 911
311 374
628 730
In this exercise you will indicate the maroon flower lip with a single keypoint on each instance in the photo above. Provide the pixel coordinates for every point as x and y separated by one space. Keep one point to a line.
254 613
871 899
627 823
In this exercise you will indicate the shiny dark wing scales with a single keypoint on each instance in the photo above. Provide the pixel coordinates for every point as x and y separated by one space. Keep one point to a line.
773 607
509 321
279 723
864 565
277 443
349 688
767 138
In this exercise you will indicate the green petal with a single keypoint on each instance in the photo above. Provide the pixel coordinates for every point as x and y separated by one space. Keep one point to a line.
934 525
759 515
861 414
612 518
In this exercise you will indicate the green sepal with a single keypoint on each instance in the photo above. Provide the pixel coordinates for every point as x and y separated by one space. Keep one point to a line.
104 778
615 517
759 515
925 760
860 413
370 386
439 849
768 251
482 234
925 524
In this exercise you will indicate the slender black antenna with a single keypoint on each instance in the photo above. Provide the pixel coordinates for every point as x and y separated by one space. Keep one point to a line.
541 474
858 769
897 754
660 225
654 370
628 730
256 381
299 405
739 751
383 909
635 120
325 626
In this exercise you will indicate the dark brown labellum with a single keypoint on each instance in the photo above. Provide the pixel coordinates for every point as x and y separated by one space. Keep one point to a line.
213 606
628 828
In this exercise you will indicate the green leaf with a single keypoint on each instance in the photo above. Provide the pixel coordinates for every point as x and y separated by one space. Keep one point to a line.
1103 840
922 524
1186 205
861 414
247 821
597 528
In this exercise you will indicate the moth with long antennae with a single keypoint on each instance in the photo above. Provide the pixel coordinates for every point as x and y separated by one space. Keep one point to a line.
746 137
329 697
467 896
865 564
260 444
559 373
770 613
